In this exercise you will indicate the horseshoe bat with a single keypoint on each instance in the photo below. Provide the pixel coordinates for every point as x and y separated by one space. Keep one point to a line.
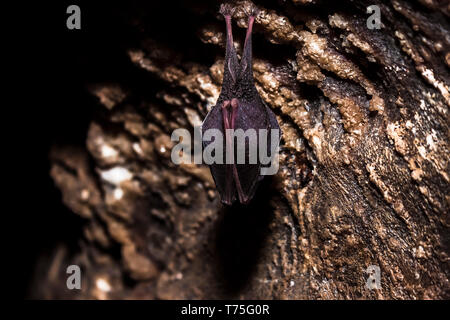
239 106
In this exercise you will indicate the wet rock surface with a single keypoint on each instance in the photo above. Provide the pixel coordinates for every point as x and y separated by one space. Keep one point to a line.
364 171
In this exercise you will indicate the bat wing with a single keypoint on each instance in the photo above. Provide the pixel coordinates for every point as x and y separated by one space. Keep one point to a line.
250 115
273 124
223 180
240 180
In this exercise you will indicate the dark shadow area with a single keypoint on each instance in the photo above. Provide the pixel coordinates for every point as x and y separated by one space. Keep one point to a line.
240 236
63 63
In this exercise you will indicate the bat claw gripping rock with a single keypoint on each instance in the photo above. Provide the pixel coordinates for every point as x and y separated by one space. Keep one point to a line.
226 9
251 11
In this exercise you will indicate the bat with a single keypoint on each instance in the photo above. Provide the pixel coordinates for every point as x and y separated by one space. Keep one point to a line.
239 106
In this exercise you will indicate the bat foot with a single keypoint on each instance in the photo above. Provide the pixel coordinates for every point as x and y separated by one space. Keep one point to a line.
226 9
251 11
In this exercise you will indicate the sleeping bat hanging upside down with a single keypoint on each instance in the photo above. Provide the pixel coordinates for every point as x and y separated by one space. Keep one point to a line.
239 106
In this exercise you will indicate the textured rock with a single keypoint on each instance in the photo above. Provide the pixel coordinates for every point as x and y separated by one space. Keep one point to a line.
364 171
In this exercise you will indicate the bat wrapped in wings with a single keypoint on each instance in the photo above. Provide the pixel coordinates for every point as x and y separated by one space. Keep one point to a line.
239 106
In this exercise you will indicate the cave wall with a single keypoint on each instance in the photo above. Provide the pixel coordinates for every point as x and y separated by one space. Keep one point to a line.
363 177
